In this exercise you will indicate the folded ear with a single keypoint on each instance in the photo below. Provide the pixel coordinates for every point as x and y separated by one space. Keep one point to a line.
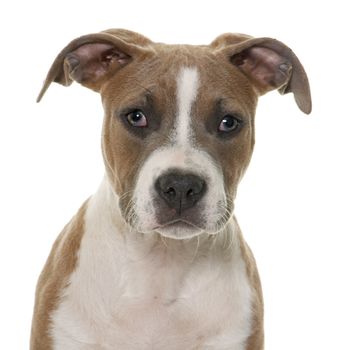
269 64
92 59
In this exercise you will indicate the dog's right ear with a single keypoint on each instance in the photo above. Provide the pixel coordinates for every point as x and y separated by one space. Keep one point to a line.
92 59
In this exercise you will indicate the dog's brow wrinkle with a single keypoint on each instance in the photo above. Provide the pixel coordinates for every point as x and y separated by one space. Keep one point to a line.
149 91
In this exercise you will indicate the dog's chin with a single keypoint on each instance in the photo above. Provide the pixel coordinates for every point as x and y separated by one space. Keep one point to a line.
179 230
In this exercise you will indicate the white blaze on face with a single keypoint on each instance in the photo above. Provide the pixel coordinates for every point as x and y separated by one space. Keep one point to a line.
181 153
187 88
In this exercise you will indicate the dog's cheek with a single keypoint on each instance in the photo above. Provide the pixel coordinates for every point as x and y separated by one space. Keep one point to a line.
234 164
122 156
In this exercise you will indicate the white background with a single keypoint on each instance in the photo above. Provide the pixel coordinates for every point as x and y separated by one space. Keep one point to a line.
293 204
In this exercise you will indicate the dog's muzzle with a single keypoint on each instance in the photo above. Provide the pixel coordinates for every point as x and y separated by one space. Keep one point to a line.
179 194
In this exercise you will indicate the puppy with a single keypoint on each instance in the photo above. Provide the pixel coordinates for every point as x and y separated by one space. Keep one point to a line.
155 258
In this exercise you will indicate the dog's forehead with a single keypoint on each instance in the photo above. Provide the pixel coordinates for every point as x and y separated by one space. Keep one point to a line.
163 73
172 58
197 76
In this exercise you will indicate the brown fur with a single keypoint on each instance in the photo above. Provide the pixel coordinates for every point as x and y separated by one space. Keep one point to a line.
256 339
54 278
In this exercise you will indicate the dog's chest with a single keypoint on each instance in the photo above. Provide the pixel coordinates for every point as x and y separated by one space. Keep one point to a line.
141 294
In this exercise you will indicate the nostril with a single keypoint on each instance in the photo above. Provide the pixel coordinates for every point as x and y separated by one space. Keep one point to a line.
170 191
190 193
196 190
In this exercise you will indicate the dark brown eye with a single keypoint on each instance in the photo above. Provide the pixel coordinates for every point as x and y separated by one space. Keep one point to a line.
137 119
229 123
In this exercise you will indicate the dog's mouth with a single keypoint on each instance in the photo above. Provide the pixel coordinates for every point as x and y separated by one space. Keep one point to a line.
179 223
178 229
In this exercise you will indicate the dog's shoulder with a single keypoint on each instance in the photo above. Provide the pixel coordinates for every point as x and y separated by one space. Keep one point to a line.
55 276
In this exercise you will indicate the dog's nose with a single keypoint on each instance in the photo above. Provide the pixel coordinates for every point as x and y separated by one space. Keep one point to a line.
180 191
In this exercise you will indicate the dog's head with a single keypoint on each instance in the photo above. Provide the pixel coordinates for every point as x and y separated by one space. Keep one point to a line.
179 120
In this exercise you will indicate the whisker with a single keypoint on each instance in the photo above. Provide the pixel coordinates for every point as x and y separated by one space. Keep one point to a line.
196 250
163 241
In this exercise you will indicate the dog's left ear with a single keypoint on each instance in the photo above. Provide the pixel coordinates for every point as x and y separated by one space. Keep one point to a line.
269 64
91 59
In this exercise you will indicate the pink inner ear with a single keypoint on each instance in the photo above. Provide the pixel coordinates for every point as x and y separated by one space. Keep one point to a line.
91 51
268 69
115 55
90 62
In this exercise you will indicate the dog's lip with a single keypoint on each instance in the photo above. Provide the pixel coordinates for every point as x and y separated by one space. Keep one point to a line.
177 223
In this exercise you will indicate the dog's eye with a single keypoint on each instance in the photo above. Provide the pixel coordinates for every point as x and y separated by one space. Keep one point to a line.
230 123
137 118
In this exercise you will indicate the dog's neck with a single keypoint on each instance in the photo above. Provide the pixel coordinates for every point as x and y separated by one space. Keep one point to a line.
105 216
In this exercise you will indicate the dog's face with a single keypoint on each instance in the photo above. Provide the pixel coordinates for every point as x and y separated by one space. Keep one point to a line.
178 132
178 136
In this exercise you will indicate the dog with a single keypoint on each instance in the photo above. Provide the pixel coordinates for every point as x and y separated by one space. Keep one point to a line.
155 259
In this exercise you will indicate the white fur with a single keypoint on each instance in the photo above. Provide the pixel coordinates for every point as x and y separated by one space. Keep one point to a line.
187 88
136 292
